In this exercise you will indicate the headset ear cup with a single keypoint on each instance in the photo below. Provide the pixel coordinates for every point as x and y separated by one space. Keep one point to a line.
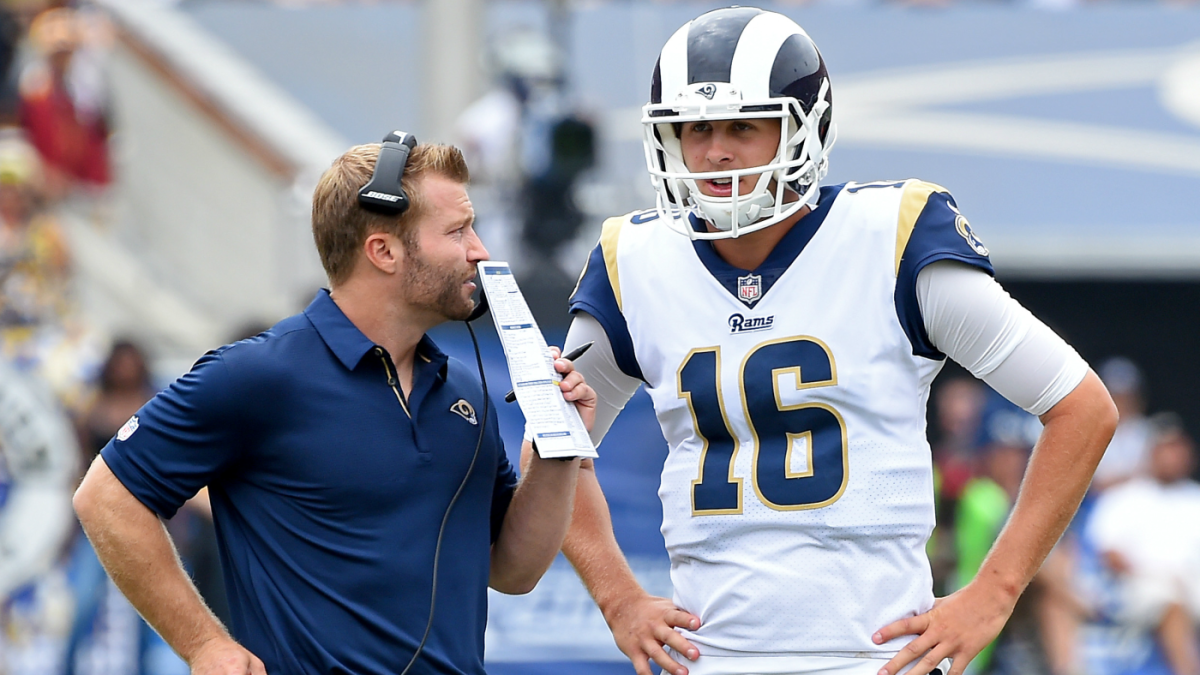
384 193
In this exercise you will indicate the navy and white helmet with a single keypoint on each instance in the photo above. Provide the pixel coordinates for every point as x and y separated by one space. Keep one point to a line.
739 63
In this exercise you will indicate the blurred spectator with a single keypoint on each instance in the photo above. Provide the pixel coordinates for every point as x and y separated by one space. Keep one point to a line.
982 511
1126 454
959 407
1147 532
34 259
1067 619
10 37
985 502
124 386
62 105
1060 609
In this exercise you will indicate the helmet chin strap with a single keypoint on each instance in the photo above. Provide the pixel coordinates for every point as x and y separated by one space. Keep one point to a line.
761 212
719 210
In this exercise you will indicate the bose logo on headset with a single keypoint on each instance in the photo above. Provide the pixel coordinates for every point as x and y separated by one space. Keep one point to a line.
380 195
384 193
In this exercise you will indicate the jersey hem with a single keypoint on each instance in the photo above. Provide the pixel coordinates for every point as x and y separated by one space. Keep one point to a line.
707 651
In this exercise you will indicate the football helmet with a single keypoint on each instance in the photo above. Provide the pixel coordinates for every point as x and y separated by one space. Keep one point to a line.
738 63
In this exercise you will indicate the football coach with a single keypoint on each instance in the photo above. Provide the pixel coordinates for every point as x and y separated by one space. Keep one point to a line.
361 493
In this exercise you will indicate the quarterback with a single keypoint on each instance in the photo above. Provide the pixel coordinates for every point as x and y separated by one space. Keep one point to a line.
787 333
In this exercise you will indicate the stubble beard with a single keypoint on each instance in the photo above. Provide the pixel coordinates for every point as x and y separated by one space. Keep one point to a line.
438 290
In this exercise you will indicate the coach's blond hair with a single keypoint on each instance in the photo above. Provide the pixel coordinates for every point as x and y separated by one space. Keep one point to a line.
340 225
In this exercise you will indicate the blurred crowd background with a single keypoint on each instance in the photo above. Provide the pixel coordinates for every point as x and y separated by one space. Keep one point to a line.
155 164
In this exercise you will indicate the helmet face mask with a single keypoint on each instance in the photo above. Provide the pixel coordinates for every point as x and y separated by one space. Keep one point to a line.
746 81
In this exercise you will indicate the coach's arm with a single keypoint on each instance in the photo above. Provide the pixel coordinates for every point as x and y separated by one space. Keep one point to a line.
138 554
540 513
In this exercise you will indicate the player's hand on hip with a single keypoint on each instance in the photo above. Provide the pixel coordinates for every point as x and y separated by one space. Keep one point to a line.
958 627
643 625
224 656
575 390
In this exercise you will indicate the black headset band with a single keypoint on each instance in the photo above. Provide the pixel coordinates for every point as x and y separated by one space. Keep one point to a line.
384 192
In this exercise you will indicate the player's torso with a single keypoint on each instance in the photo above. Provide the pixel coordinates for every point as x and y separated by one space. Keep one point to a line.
797 494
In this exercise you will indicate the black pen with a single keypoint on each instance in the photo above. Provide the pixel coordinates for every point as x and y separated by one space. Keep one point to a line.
574 354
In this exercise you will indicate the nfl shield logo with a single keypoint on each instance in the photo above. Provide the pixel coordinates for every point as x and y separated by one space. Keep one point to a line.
126 431
749 288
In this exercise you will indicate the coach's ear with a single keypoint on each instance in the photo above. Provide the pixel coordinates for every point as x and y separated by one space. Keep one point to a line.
384 251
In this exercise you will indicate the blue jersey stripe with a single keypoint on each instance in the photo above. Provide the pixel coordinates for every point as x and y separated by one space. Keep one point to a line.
939 232
594 294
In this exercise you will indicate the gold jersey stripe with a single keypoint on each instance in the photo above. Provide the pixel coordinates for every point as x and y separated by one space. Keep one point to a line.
608 244
916 195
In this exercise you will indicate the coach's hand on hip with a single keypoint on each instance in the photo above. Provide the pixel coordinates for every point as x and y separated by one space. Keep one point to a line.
224 656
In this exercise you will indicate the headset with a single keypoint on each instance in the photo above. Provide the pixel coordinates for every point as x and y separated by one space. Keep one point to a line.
384 194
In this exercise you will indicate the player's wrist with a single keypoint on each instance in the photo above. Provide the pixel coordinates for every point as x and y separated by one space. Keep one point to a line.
614 605
1004 589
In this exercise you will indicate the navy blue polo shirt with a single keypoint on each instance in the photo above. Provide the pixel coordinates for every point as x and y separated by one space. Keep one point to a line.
328 491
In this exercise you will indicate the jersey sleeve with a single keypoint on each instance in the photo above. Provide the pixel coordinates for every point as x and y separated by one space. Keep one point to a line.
599 369
599 293
971 319
929 228
181 439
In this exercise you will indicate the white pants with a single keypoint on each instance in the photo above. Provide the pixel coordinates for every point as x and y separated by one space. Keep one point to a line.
788 665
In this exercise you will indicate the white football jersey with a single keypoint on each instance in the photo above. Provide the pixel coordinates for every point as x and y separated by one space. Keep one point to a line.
798 490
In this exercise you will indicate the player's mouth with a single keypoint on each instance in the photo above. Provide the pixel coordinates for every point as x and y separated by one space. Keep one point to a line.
723 187
717 187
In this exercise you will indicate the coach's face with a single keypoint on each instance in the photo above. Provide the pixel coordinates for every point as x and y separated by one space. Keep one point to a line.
439 270
724 145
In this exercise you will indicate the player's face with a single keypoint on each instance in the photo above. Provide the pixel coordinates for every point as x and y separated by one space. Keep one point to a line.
722 145
439 270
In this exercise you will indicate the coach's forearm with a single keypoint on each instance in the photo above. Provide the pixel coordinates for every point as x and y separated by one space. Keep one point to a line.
137 552
592 547
535 524
1077 430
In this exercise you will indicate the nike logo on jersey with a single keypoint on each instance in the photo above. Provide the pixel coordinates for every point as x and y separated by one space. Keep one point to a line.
741 324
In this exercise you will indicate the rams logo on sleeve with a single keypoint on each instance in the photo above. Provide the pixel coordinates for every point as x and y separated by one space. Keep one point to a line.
964 230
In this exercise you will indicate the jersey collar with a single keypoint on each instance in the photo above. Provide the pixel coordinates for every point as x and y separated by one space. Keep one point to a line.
342 337
349 344
781 257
